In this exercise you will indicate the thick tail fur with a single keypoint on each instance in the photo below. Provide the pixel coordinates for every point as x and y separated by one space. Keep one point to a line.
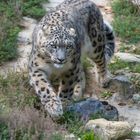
110 41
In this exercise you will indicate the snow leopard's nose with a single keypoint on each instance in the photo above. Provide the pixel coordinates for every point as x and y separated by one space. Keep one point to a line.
61 55
61 59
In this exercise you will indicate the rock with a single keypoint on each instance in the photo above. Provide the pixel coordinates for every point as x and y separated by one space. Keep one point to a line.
128 57
26 22
136 98
25 36
136 2
93 108
23 40
123 86
109 130
136 138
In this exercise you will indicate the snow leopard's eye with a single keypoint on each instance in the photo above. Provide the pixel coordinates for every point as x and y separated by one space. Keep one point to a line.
53 46
69 46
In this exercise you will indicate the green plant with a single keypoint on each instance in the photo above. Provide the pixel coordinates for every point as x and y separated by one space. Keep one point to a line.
89 136
118 64
72 122
33 8
9 30
135 134
4 131
126 20
106 94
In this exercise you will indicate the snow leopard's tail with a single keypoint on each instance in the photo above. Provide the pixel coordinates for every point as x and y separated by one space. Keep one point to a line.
110 40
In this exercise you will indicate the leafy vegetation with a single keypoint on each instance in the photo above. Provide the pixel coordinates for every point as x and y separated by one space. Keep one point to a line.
33 8
89 136
11 13
4 132
73 123
106 94
8 30
135 133
126 20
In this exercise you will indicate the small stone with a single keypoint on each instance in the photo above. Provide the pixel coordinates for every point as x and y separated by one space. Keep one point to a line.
109 130
71 137
136 98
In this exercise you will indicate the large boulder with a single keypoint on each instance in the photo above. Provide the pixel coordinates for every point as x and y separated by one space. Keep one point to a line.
109 130
90 107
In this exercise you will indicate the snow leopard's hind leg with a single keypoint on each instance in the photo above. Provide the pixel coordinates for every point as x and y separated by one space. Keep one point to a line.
102 40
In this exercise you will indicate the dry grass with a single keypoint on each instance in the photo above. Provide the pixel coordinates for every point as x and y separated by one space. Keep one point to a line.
21 111
32 124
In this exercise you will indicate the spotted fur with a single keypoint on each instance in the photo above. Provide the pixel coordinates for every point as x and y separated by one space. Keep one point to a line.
59 40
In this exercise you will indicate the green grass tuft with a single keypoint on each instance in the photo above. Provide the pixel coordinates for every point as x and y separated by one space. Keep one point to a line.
4 131
106 94
118 64
9 30
11 13
89 136
33 8
126 20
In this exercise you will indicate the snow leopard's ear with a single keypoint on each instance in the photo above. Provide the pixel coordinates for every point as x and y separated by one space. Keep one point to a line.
46 30
72 32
